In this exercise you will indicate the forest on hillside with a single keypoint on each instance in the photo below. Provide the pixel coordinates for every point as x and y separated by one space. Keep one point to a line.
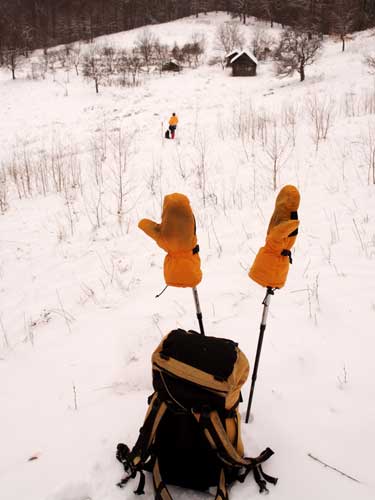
30 24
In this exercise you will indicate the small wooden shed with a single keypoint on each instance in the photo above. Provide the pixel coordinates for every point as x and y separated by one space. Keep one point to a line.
244 64
230 56
171 65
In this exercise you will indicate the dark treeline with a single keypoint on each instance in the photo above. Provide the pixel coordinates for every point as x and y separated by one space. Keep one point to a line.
29 24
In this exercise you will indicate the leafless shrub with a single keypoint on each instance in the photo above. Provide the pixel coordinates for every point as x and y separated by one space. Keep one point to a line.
216 60
289 120
244 121
201 164
134 65
121 143
155 177
52 62
262 45
180 165
5 336
34 173
277 151
370 61
3 190
321 112
343 379
368 151
37 71
351 105
122 66
61 56
108 56
262 122
368 101
93 204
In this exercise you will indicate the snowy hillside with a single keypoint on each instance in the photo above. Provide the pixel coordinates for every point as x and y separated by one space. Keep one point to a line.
78 317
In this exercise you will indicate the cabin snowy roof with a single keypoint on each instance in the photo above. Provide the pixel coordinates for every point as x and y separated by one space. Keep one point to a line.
232 53
248 54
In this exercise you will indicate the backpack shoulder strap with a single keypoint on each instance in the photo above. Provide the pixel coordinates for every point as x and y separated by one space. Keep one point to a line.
134 460
217 437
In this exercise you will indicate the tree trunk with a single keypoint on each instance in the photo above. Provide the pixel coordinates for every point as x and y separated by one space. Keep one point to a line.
302 72
343 42
96 85
13 65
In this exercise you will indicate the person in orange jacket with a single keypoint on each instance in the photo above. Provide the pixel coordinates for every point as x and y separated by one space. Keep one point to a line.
173 120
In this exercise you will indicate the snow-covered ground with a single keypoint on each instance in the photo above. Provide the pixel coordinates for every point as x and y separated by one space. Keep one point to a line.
78 317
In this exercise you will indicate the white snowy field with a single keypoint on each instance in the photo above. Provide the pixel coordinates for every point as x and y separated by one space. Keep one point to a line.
78 317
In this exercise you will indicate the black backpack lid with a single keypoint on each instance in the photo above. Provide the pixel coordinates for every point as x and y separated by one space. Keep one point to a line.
212 355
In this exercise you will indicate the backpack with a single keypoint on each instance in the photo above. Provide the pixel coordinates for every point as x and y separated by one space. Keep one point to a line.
166 135
191 434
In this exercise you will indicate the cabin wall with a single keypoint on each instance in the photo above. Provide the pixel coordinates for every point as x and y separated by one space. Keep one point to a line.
244 70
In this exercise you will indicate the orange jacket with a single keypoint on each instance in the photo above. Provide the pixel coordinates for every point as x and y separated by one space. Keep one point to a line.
176 235
271 265
173 120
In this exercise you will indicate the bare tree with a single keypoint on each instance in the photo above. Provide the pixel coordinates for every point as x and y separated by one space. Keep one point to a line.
192 51
134 65
161 53
93 68
296 50
122 65
12 59
269 9
145 44
242 8
108 58
75 56
345 17
198 46
229 36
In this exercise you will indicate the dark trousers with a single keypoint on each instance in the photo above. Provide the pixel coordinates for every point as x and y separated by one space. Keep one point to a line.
172 128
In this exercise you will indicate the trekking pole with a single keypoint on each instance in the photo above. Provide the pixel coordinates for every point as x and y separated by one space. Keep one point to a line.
266 303
198 308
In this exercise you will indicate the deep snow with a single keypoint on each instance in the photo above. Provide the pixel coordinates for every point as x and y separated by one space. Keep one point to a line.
79 320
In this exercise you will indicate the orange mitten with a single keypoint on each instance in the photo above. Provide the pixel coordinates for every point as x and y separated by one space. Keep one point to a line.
271 265
176 235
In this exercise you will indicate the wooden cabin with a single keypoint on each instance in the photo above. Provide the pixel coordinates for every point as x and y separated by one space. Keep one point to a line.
230 56
171 65
244 64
